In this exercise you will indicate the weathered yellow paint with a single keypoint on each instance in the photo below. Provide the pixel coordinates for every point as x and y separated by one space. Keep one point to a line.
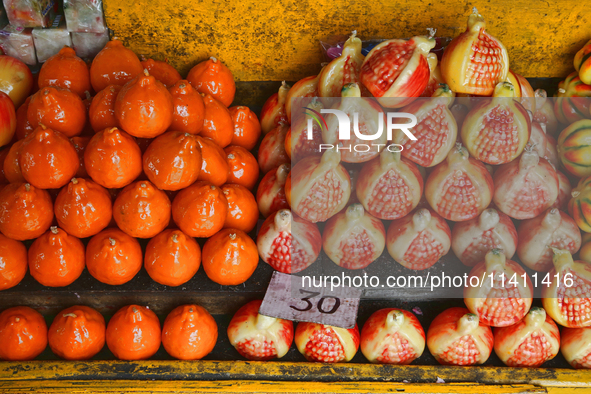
212 370
119 386
266 40
568 390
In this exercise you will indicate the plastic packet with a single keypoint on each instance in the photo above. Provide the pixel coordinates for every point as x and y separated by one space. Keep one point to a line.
333 47
50 41
87 45
28 13
84 16
18 43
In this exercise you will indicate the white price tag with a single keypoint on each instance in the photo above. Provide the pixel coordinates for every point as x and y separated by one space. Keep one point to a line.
286 298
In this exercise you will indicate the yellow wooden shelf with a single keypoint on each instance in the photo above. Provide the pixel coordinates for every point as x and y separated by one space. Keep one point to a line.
122 386
280 377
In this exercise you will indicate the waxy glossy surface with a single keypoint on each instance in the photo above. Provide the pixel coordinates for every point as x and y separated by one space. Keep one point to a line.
67 71
247 129
162 71
214 167
102 108
230 257
189 332
271 191
25 211
258 337
17 79
48 160
144 107
172 258
23 332
112 158
58 109
113 257
213 77
83 208
173 160
13 262
188 108
200 210
142 210
114 65
217 122
133 333
56 259
77 333
243 211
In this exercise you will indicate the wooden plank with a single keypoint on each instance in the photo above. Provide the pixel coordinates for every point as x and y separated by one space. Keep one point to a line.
262 40
289 371
568 390
136 387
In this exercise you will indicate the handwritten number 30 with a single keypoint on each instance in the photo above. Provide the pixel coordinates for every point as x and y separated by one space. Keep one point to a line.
320 303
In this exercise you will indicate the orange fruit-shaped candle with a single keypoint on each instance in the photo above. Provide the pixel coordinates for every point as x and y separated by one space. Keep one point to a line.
11 166
24 334
243 211
58 109
83 208
113 257
134 333
244 168
142 210
56 259
102 108
230 257
172 258
65 70
23 126
200 210
144 107
77 333
214 167
188 108
113 159
173 160
162 71
13 262
247 128
80 143
48 160
25 211
217 123
114 65
189 332
213 77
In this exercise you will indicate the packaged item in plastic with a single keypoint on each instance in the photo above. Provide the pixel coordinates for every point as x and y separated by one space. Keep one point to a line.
51 40
332 47
87 45
18 43
84 16
28 13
